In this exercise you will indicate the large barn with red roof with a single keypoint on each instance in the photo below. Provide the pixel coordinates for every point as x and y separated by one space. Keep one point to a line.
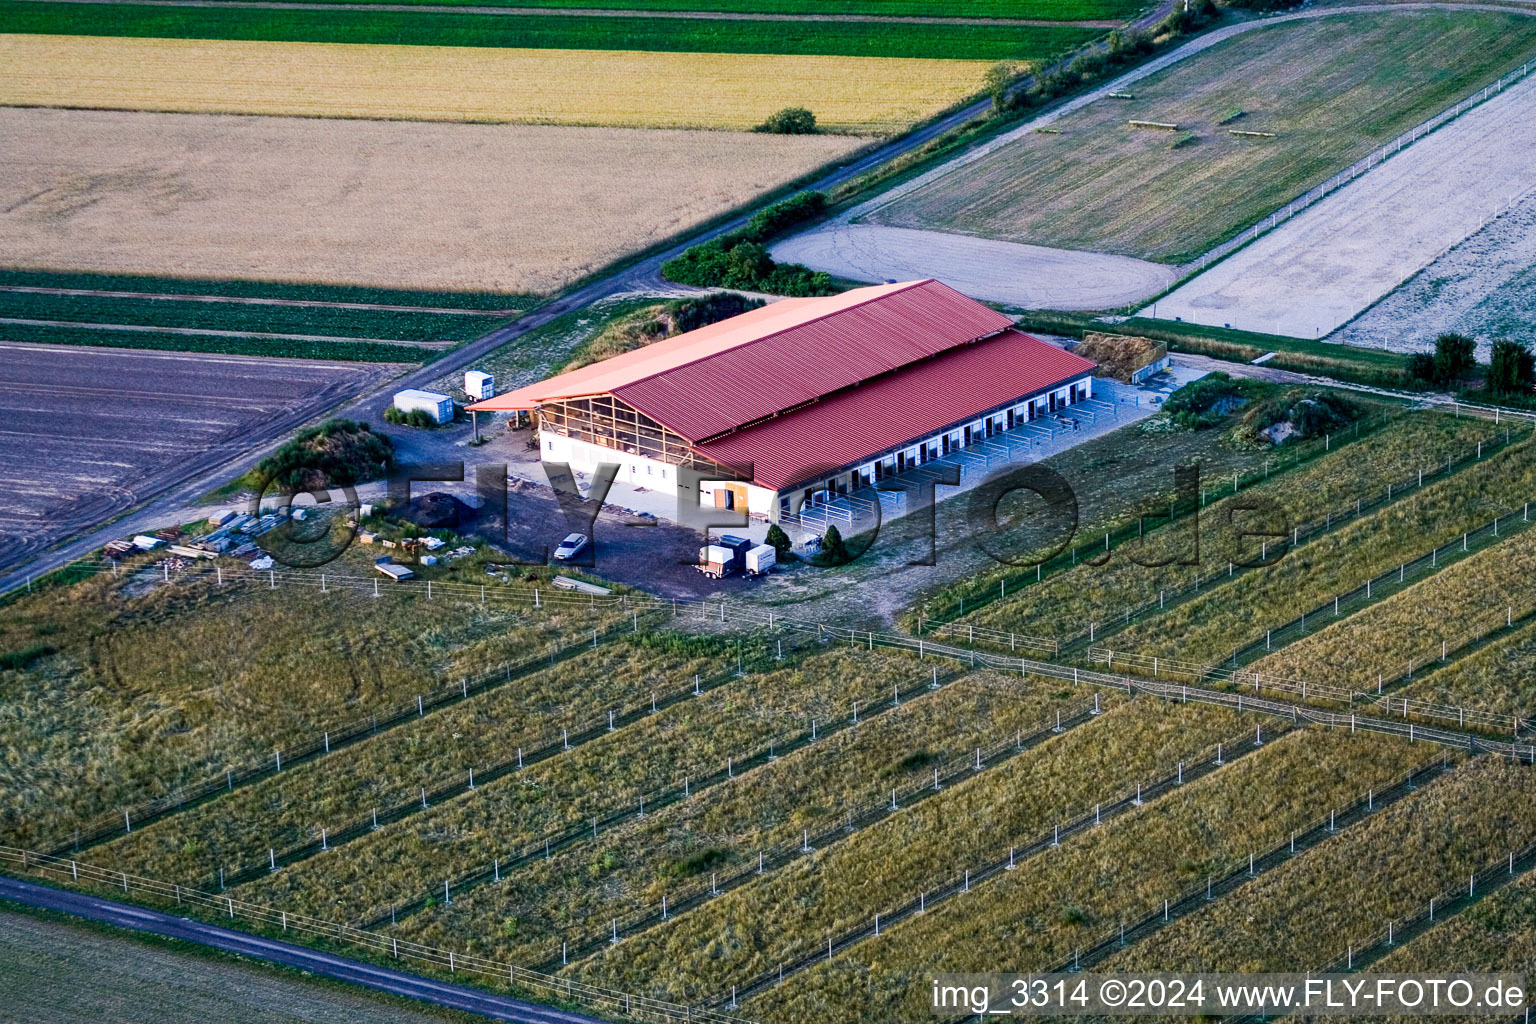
765 409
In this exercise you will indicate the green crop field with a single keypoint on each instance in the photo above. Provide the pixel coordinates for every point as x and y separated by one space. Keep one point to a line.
1042 10
1331 89
559 32
1073 896
205 316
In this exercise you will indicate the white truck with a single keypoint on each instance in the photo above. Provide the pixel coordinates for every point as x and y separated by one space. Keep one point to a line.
479 385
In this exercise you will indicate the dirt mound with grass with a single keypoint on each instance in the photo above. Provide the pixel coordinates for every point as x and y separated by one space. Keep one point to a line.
1120 355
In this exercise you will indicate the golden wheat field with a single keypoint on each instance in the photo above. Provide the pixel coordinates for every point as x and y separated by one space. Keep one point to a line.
508 208
445 83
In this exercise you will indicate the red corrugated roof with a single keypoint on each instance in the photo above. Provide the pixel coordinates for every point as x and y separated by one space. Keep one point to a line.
720 377
854 425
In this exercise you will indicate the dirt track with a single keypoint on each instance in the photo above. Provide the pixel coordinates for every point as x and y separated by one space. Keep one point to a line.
1031 276
1321 269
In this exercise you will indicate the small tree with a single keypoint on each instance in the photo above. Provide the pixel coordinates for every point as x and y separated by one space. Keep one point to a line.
1421 367
1511 367
833 550
789 121
998 79
1453 357
779 541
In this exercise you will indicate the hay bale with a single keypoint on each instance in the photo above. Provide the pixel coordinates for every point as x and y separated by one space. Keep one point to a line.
1120 355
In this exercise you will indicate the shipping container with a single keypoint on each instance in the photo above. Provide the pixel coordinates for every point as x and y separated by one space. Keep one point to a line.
439 407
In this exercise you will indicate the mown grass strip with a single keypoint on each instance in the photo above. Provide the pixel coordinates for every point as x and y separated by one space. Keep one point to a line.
544 32
339 351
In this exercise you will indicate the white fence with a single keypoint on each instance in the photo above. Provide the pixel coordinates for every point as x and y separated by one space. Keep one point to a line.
83 875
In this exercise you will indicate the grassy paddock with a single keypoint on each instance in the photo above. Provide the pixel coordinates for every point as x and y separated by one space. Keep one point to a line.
1307 911
1209 627
1066 603
754 928
1497 935
134 689
1333 89
235 830
1037 916
630 870
298 24
411 858
1410 625
1500 677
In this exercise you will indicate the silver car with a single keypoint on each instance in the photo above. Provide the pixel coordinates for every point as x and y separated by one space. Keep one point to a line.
569 548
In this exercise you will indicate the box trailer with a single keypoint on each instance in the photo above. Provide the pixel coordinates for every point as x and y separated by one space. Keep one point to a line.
716 560
479 385
761 559
439 407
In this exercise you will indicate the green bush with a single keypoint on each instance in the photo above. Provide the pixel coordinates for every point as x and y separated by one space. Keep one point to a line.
336 453
779 541
834 550
414 418
1209 400
25 656
789 121
738 259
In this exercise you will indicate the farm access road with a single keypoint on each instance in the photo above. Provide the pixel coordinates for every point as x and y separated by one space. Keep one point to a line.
327 965
202 476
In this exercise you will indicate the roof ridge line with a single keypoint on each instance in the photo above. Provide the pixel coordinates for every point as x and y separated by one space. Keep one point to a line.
907 286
